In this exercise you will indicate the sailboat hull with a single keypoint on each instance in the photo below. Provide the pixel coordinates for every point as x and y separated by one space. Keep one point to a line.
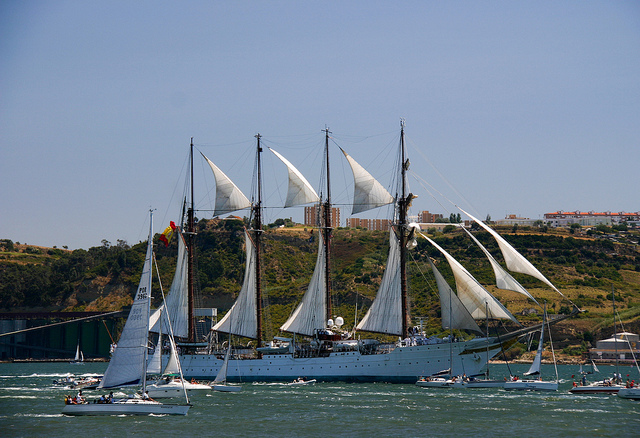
403 364
530 385
125 407
175 389
630 393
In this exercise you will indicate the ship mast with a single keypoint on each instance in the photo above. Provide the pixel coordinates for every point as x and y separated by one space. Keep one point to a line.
257 233
327 233
403 206
190 247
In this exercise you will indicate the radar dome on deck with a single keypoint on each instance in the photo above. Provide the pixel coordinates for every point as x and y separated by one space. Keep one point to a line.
339 321
330 323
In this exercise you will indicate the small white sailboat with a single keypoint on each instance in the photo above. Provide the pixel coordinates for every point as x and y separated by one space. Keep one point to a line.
128 363
534 384
79 359
220 382
605 386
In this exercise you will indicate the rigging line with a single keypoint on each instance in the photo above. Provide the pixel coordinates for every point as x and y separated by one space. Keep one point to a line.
86 318
433 290
553 353
633 354
414 146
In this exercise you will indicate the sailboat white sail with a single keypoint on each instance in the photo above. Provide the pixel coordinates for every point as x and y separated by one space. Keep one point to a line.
385 313
241 319
128 362
300 191
176 304
514 260
228 196
535 370
79 358
368 192
473 295
504 280
453 313
220 382
310 313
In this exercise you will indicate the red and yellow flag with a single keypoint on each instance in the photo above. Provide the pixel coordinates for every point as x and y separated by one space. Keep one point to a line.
167 233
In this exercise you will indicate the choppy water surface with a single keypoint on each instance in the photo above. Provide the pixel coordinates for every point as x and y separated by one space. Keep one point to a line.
30 405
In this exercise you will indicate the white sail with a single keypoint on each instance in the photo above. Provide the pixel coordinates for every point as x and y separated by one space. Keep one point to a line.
228 196
79 357
504 280
368 192
300 191
241 319
127 365
475 298
155 363
454 314
177 300
537 361
385 313
310 313
514 260
221 377
173 366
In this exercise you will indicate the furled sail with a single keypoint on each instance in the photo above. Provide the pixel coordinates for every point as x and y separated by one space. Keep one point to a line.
310 313
300 191
228 196
177 301
504 280
454 314
368 192
127 365
475 298
385 313
514 260
241 319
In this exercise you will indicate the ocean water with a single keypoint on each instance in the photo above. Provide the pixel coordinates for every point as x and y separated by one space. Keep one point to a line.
30 405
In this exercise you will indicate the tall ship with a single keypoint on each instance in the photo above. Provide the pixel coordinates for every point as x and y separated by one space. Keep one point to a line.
313 343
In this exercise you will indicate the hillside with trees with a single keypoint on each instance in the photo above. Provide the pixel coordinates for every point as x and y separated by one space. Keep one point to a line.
584 266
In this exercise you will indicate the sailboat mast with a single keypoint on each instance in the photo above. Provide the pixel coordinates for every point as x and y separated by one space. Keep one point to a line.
148 304
190 244
615 334
327 233
402 228
257 230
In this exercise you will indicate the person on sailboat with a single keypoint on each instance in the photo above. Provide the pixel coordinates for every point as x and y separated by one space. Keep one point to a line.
145 396
79 397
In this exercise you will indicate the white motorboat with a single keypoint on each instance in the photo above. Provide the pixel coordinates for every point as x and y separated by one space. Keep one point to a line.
630 393
301 381
606 386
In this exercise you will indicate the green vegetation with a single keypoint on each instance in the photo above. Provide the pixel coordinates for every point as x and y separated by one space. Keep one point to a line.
583 267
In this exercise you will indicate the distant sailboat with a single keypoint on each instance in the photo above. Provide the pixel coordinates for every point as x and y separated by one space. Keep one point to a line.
220 382
535 370
79 359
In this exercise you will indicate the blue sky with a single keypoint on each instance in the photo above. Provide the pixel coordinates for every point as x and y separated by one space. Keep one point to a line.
510 107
